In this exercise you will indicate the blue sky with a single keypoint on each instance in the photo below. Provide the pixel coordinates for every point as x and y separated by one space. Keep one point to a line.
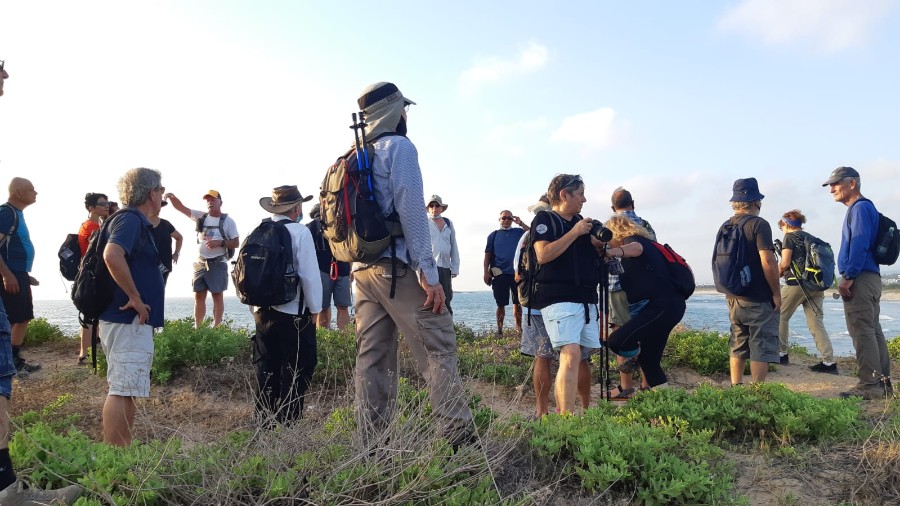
673 100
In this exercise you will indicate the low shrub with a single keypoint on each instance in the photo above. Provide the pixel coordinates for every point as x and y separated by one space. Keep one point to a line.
660 463
702 350
893 346
763 410
40 331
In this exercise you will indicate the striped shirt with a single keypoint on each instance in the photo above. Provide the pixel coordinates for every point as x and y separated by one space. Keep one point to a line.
398 185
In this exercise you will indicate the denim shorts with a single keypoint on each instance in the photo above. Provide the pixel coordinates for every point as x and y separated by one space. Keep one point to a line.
535 340
565 324
129 353
7 369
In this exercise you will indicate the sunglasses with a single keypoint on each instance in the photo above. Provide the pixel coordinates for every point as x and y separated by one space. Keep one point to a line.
504 218
572 181
102 204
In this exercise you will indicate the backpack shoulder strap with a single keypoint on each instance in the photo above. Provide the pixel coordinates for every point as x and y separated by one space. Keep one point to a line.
449 224
222 226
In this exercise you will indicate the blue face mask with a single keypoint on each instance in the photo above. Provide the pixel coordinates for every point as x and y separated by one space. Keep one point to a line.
299 217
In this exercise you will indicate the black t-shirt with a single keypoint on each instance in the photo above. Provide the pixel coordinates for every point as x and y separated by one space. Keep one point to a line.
162 235
758 236
323 250
574 275
796 242
645 277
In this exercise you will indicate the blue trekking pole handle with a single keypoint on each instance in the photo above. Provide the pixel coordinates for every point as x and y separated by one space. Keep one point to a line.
362 123
355 127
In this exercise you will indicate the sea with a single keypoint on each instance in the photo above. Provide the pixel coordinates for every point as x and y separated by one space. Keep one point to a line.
705 311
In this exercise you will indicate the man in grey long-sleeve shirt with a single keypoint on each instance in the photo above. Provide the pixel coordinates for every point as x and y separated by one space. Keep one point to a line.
417 307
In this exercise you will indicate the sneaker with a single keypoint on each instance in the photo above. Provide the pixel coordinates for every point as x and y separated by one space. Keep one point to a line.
22 365
784 359
867 392
17 495
821 367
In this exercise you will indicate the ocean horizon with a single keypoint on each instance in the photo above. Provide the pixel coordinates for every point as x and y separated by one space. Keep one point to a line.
706 310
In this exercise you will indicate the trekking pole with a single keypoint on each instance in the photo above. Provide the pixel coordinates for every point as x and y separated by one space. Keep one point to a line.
356 126
795 270
605 382
365 147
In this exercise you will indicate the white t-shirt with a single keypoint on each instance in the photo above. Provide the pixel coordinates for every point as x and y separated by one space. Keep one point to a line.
211 231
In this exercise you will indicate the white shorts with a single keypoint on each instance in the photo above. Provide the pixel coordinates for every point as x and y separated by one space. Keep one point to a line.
565 325
129 355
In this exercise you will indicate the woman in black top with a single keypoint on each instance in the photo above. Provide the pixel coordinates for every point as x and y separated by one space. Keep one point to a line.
645 277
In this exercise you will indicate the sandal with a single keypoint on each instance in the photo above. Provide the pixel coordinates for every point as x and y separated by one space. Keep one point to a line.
629 365
623 395
82 359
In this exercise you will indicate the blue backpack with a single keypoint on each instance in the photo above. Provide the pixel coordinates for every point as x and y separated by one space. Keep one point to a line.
731 271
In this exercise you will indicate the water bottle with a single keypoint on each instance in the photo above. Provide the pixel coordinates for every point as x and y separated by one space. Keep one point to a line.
885 243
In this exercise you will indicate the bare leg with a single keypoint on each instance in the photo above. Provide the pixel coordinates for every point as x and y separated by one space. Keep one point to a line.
758 371
17 332
343 317
517 314
567 377
501 315
4 423
323 321
542 385
85 340
584 383
218 308
118 418
199 308
736 367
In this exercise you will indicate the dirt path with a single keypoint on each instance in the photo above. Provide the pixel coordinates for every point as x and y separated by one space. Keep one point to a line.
202 405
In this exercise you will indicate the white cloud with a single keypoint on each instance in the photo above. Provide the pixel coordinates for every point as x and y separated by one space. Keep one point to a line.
511 139
828 26
491 69
595 130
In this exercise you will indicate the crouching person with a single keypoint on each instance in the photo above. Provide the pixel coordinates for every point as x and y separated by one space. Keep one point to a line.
643 337
284 347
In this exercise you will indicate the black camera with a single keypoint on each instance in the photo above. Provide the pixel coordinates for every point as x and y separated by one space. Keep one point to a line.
599 232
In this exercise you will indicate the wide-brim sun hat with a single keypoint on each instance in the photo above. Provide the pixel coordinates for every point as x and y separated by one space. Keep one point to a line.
437 198
283 199
746 190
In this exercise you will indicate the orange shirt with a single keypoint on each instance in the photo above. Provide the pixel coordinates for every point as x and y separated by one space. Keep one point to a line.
84 234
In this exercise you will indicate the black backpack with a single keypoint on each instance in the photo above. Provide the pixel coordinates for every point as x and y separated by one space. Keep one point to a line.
264 274
886 247
528 267
229 252
731 272
69 257
677 270
92 290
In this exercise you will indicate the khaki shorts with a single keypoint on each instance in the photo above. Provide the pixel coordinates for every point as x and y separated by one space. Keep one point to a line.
129 353
754 330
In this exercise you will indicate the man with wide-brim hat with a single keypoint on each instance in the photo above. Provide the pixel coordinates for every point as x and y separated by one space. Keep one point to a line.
443 245
753 313
284 346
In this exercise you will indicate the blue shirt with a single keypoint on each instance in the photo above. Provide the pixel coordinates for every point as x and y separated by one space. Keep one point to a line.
18 252
857 238
502 244
133 232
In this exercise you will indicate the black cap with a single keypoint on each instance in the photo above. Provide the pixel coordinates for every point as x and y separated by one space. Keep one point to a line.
840 173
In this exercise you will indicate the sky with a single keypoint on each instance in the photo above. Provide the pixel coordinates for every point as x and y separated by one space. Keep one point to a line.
671 100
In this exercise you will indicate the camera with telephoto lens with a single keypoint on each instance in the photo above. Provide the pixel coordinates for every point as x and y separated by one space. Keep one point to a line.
599 232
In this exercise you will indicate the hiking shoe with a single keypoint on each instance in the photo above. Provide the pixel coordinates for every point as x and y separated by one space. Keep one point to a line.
784 359
867 392
17 495
22 365
821 367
